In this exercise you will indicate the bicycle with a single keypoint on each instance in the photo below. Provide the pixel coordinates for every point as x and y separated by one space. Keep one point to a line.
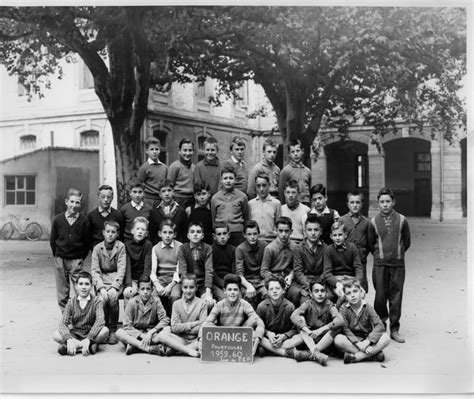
32 230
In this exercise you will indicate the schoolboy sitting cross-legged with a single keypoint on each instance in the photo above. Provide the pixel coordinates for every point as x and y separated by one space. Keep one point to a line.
144 318
319 322
363 335
275 312
82 326
189 313
108 267
233 311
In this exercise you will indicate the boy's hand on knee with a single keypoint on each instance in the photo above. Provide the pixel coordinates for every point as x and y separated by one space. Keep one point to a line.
127 293
362 345
147 338
103 293
251 292
369 350
85 343
339 289
113 294
72 345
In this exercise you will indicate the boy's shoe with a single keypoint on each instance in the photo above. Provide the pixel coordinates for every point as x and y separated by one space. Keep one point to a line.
349 358
113 340
93 348
397 337
299 356
130 349
319 357
379 357
62 350
262 352
170 351
156 350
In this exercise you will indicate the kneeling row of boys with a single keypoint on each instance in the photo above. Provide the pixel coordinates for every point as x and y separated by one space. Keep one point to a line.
278 328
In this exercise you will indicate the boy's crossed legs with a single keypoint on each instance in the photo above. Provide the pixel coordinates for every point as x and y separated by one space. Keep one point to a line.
352 353
77 343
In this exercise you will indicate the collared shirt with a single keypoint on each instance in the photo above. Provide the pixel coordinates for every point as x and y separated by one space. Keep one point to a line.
137 206
340 248
387 219
104 212
83 301
234 159
195 251
71 218
168 209
265 212
325 211
358 311
365 324
278 258
151 162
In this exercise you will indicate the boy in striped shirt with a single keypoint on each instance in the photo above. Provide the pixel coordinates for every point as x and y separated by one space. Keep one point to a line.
82 326
164 265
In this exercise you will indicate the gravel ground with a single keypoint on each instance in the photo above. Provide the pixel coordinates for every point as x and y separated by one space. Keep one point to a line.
437 357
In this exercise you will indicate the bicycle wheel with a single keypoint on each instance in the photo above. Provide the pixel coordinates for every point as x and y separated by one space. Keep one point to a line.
7 230
33 231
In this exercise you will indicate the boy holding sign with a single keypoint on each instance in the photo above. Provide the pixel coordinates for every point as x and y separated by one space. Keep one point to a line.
233 311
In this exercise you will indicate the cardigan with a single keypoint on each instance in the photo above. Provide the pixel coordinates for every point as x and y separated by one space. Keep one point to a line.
108 269
178 217
365 325
342 262
70 241
187 324
230 209
85 323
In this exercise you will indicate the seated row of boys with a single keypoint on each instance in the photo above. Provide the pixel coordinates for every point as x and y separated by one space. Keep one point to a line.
278 328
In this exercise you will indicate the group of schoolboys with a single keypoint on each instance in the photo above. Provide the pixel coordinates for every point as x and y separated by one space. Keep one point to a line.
190 246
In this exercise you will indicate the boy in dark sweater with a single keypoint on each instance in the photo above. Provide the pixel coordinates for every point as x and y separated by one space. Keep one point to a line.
135 208
223 260
341 263
82 326
102 213
138 257
168 209
69 242
209 169
327 216
363 334
200 211
153 172
181 173
195 257
389 239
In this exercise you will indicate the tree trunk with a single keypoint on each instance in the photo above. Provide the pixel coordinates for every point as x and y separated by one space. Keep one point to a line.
295 118
127 157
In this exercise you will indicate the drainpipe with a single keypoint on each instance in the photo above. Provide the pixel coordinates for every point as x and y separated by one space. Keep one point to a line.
441 189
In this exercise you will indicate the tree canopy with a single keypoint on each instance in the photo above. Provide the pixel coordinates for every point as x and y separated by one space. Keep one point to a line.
319 66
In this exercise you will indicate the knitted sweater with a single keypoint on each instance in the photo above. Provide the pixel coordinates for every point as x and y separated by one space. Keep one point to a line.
138 260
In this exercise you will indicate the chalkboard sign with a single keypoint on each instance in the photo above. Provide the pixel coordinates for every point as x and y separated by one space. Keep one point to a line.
226 344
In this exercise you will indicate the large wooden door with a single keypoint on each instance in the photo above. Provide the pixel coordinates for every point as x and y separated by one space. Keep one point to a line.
422 197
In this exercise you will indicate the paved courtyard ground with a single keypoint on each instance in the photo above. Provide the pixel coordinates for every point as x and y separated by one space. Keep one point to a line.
435 359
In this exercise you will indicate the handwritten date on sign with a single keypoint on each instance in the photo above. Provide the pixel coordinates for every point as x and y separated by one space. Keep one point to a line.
227 344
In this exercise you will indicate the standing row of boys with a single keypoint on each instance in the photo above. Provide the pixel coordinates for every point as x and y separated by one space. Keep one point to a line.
261 250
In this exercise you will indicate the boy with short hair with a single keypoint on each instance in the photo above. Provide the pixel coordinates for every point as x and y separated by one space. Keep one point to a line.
181 173
248 262
153 172
296 170
294 210
195 257
102 213
200 211
69 241
318 321
275 312
264 209
308 260
135 208
268 166
235 312
138 257
168 209
143 319
363 334
236 161
230 206
164 265
208 170
223 259
108 267
319 208
82 326
356 226
341 262
189 313
278 258
389 239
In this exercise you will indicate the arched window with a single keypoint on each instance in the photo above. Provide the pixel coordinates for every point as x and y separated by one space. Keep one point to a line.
28 142
90 139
